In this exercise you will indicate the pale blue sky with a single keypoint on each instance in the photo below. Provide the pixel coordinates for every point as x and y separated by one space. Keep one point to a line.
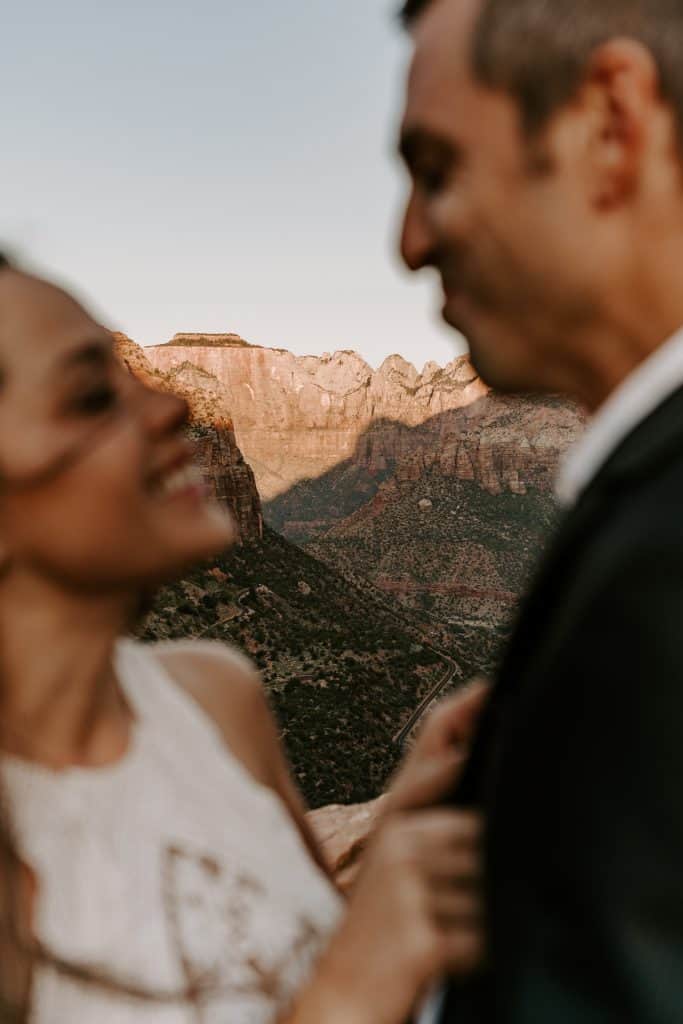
225 165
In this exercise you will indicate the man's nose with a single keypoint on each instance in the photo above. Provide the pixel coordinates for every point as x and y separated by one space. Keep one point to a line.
417 242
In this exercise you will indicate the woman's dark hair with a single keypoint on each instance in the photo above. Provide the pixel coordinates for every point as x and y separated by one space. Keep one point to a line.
15 959
20 951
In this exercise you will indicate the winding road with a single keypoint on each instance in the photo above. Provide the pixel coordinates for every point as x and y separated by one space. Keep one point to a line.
424 705
433 694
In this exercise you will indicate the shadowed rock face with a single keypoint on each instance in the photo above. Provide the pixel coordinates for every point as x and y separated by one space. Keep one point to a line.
296 417
212 431
503 445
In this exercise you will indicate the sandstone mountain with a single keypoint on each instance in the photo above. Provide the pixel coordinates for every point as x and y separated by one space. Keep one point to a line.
212 431
456 520
429 486
344 671
296 417
324 433
423 500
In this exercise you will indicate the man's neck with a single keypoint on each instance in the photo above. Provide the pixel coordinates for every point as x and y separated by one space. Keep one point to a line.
644 314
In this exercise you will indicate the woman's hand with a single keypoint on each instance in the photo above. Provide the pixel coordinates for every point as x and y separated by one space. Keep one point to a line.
448 731
416 910
415 915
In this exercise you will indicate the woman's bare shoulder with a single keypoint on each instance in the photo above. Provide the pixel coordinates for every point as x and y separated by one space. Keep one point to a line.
213 673
228 688
227 685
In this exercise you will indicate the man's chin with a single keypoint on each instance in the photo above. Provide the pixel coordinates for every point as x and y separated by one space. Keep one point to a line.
494 373
453 318
484 354
483 357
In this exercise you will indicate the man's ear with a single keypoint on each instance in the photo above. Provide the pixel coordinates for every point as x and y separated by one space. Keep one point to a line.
622 88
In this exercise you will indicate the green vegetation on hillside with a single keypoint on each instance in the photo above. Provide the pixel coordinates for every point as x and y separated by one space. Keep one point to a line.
208 341
343 668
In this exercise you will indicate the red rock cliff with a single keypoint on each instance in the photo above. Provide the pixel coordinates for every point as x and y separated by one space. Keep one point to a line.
212 431
299 417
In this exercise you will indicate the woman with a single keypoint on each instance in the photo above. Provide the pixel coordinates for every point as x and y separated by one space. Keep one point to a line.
162 867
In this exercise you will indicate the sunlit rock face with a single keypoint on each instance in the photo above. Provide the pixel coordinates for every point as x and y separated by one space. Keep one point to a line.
217 453
296 417
432 487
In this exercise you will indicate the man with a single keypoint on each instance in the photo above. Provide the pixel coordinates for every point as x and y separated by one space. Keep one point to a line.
544 143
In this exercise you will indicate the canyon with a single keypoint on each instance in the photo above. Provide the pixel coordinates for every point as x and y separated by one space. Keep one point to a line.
325 434
389 520
342 670
298 416
427 485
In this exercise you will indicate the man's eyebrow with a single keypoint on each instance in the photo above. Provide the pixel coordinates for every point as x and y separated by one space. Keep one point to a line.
417 143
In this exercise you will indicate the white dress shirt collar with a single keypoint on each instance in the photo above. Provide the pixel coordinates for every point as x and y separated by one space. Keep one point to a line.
630 404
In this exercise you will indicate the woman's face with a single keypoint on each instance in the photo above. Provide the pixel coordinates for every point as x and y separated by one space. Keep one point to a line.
96 486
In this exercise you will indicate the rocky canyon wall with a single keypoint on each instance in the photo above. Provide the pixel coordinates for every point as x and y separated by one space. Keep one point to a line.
296 417
324 434
223 466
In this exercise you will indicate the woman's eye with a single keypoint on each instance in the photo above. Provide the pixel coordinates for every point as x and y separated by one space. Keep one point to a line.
95 401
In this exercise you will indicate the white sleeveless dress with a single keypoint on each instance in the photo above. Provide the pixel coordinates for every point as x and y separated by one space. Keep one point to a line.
173 872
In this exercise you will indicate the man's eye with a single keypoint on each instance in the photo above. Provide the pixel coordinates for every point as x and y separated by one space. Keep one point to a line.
95 401
432 180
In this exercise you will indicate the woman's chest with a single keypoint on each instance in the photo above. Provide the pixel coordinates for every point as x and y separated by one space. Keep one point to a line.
207 896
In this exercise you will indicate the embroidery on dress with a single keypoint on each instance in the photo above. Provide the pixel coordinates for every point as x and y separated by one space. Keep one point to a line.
230 942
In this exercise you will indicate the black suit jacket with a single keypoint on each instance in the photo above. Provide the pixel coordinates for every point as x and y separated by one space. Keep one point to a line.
579 762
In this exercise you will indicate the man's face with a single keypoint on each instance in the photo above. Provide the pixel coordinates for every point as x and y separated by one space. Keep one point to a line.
506 222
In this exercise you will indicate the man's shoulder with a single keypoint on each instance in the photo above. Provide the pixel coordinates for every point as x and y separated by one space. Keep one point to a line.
648 512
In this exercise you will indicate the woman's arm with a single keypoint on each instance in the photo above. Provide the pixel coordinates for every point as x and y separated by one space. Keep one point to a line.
413 916
415 911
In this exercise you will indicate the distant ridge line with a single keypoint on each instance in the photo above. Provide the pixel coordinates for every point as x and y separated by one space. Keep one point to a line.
229 340
207 340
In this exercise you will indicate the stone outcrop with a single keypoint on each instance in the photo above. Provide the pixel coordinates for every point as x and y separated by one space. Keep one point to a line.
211 429
343 834
298 416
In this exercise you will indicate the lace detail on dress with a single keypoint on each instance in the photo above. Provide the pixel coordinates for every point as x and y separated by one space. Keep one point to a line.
215 918
175 871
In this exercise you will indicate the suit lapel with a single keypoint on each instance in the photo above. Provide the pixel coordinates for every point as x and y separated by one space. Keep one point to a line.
547 613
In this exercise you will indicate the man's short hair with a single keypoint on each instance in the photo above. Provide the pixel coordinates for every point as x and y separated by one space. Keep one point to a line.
539 50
